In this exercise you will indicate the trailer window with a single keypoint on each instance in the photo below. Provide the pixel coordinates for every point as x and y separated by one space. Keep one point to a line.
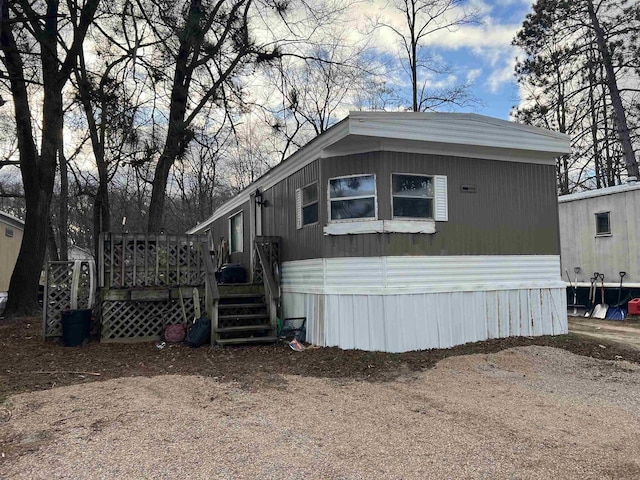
603 227
412 196
307 205
352 198
236 233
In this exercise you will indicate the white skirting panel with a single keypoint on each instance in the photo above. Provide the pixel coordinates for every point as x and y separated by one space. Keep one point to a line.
398 304
401 323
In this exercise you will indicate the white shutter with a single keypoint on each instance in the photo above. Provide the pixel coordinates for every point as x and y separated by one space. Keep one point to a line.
441 205
298 208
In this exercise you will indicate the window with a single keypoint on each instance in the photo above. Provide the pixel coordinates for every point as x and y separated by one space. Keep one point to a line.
307 205
8 232
412 196
352 198
236 233
603 227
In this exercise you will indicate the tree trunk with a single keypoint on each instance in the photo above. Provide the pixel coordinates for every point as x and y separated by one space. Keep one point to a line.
52 248
101 214
38 173
594 120
159 192
64 203
616 100
38 170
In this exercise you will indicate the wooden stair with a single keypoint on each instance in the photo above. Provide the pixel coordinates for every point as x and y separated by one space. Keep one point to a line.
243 316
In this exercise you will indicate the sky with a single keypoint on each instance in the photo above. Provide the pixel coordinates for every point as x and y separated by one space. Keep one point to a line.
481 53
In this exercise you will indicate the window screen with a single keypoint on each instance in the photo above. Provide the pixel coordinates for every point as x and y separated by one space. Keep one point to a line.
352 197
310 204
603 227
236 233
412 196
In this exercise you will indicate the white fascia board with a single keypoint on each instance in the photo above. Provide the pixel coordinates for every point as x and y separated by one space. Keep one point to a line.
357 145
599 192
303 157
461 129
453 118
11 220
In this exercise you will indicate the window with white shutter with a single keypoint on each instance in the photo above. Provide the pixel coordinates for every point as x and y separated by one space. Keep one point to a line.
441 208
307 205
411 196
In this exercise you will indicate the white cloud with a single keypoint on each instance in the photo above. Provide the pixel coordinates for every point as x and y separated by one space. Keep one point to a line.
473 74
491 32
502 75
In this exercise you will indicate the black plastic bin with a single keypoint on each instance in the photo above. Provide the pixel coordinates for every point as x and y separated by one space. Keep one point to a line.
232 273
76 327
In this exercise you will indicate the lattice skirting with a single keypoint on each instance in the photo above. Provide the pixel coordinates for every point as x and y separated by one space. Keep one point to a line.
126 321
58 294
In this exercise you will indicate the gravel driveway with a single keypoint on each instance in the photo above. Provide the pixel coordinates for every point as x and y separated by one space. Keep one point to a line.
527 412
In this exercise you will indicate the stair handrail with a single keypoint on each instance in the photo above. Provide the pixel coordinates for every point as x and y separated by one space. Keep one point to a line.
267 272
212 295
209 272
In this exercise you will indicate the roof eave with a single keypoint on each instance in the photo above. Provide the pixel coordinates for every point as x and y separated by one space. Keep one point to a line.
312 149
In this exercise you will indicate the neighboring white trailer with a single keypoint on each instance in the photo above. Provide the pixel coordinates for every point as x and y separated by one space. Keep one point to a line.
600 232
11 230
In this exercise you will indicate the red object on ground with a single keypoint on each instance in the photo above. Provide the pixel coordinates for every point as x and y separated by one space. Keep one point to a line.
634 306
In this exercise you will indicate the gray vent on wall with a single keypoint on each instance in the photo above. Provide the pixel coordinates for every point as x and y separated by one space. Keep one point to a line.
468 188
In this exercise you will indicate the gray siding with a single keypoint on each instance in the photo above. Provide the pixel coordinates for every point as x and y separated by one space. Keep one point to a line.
220 229
279 217
513 211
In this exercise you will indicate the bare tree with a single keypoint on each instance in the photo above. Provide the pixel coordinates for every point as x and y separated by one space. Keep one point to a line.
110 91
200 187
209 50
614 91
422 19
52 33
577 56
318 87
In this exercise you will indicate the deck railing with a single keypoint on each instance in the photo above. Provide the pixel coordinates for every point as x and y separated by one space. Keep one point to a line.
212 296
147 281
146 260
265 248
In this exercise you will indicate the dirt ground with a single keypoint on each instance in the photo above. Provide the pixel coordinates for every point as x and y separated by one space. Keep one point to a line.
625 333
133 411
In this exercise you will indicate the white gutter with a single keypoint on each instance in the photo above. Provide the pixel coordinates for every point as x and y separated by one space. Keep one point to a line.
600 192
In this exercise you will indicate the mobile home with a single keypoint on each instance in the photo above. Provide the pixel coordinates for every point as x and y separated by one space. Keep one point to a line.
11 229
599 232
405 231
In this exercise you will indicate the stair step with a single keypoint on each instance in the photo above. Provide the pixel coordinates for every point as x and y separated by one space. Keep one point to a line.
240 295
231 341
243 316
240 289
266 326
222 306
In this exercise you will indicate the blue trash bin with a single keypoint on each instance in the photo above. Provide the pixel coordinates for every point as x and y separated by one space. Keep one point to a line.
76 327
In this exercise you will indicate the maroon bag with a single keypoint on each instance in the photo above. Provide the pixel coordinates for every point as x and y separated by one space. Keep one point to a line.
174 333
